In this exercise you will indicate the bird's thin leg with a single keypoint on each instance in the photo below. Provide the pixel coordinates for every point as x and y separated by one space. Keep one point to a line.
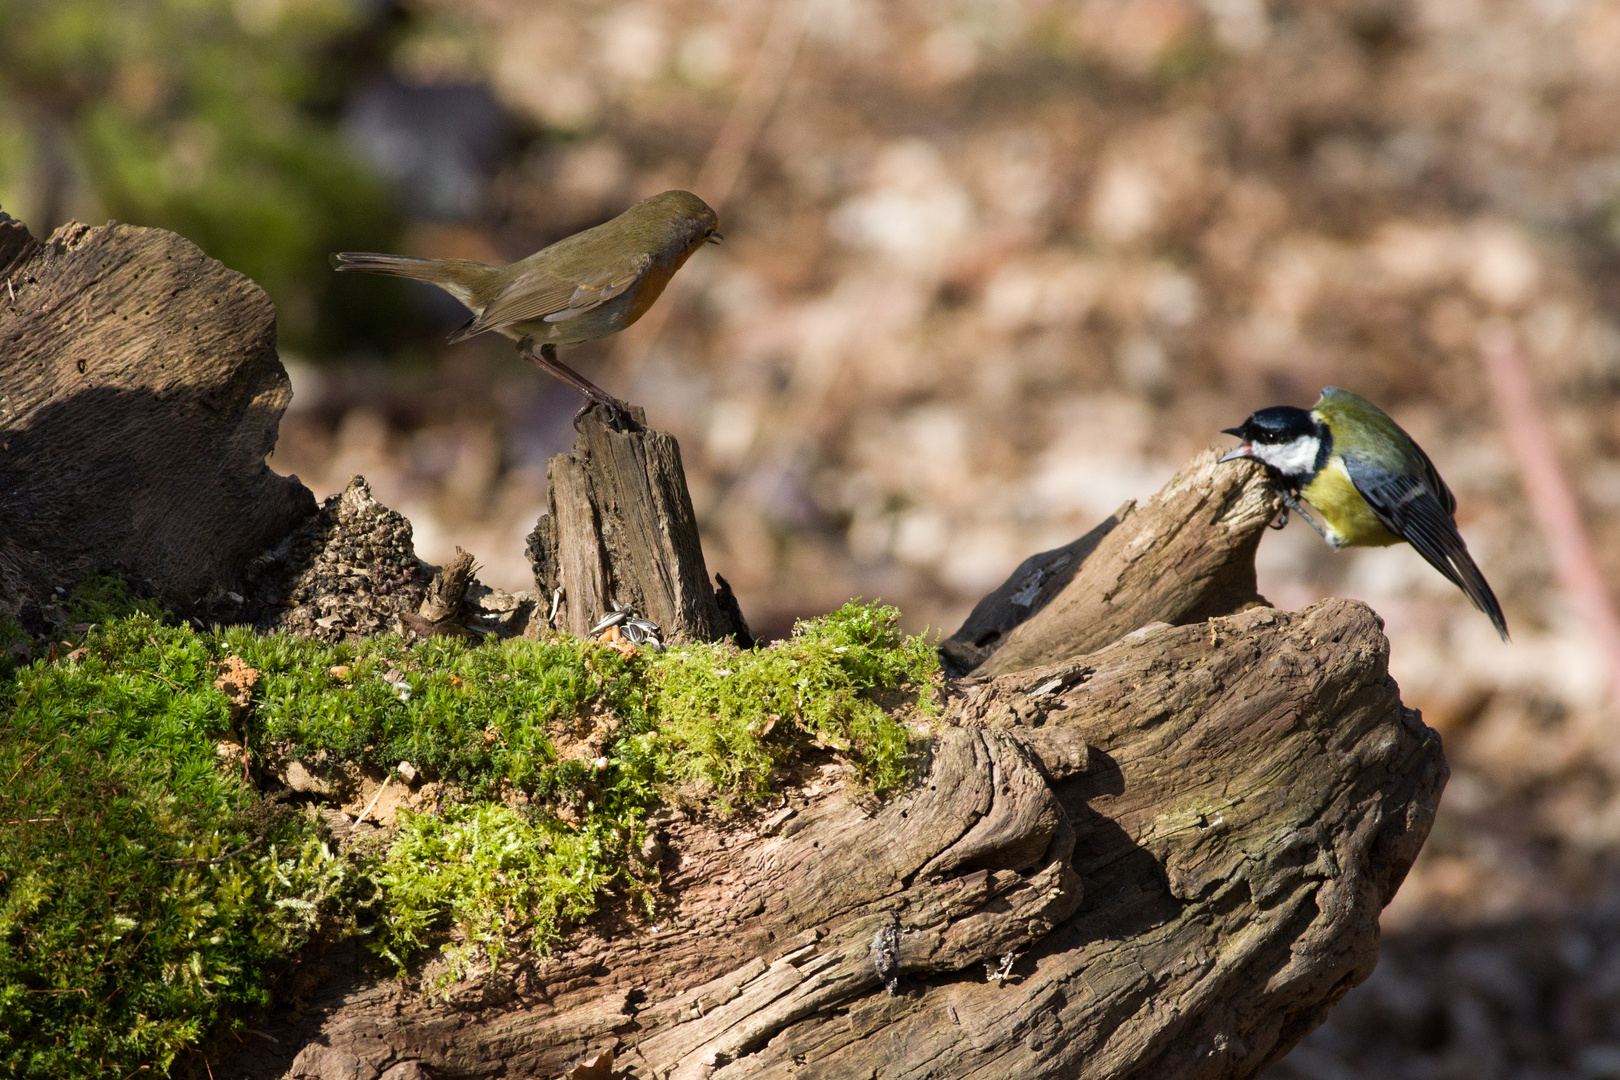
1291 503
546 360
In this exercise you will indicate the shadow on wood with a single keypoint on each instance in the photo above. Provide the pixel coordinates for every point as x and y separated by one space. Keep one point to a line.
139 397
1185 556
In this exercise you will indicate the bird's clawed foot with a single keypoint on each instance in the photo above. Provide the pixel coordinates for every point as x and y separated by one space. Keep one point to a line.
1291 503
618 412
619 418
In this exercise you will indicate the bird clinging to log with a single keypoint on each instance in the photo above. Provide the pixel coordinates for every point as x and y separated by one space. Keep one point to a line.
585 286
1372 484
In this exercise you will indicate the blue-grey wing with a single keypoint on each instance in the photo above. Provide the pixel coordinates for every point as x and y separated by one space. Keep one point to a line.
1418 509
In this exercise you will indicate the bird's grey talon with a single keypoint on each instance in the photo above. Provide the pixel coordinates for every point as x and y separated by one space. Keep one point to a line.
1290 502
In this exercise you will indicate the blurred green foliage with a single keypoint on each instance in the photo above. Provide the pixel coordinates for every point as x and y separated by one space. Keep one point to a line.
213 118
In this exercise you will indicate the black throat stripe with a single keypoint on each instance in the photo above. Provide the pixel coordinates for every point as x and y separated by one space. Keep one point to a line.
1324 447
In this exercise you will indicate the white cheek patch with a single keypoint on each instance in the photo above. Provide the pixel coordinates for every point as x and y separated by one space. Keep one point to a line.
1295 458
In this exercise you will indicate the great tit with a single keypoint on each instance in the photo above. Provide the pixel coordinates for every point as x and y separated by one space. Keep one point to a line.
1370 482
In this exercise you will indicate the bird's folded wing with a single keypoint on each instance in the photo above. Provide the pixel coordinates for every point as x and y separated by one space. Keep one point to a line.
552 298
1410 508
1431 476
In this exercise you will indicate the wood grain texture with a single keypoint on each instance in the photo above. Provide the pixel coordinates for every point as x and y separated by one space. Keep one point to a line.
620 529
1165 859
140 393
1184 556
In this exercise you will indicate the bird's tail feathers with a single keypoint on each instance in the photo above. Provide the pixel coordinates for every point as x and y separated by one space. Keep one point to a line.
461 278
468 329
371 262
1446 552
1473 583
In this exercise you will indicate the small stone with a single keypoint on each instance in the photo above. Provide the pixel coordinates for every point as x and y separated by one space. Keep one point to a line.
301 780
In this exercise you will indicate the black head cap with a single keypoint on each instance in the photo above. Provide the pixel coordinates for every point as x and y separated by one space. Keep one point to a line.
1276 425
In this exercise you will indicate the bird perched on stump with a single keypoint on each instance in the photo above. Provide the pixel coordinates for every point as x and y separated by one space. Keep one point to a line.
1370 482
585 286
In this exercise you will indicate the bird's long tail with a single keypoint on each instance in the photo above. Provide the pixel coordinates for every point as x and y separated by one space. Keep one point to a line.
458 277
1478 590
1436 538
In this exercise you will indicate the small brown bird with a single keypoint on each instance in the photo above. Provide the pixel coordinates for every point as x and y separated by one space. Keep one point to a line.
583 287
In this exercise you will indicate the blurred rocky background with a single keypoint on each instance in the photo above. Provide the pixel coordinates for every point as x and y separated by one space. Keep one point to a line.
991 268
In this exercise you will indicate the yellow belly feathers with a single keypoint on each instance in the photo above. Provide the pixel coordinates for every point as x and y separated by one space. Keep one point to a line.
1349 521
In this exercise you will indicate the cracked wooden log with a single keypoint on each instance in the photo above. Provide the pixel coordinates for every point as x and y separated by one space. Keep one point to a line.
1164 859
619 529
140 393
1188 554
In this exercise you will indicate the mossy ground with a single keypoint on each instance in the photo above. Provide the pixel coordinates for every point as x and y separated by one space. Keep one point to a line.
150 892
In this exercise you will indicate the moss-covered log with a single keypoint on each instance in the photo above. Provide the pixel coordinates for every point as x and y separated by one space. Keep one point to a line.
1165 859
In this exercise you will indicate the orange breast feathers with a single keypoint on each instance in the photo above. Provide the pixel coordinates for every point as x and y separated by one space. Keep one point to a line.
652 283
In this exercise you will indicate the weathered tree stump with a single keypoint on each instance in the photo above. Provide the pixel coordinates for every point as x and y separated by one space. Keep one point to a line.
619 529
1165 859
140 392
1187 555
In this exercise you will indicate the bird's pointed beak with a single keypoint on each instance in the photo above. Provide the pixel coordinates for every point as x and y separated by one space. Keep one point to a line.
715 238
1246 450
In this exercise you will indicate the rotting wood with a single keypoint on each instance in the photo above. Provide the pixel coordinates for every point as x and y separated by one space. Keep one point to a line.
444 608
1165 859
1185 556
349 571
620 529
140 393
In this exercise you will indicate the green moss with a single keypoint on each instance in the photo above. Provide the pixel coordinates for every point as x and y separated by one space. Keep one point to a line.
497 874
100 598
141 896
718 709
147 893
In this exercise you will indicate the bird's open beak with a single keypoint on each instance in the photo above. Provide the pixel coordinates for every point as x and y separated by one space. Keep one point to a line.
715 238
1246 450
